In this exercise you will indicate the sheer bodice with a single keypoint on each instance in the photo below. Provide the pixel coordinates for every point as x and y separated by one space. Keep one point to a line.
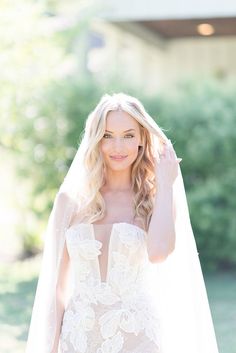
110 311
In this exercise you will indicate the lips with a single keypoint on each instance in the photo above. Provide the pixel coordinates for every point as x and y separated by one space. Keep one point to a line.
118 157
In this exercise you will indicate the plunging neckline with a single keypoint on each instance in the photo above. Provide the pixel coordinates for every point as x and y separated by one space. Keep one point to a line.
108 249
108 246
91 225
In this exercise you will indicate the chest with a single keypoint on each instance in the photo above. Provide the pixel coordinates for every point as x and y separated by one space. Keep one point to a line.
101 248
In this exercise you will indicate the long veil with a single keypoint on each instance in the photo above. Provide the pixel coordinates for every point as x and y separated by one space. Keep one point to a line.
177 283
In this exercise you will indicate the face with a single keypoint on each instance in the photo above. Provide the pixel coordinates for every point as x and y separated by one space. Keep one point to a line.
119 145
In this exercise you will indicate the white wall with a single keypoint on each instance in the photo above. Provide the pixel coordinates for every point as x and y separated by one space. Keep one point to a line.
157 67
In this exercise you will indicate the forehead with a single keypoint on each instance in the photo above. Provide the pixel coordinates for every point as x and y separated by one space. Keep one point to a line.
120 120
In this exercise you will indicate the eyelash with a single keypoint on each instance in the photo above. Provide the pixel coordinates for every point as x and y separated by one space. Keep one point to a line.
125 135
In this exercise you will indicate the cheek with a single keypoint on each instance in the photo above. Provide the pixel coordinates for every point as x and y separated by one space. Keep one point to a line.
104 147
132 145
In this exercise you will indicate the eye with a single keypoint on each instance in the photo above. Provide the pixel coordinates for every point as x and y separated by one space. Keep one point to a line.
108 135
105 135
130 135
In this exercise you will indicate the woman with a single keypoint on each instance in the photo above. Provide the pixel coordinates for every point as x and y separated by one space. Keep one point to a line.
120 271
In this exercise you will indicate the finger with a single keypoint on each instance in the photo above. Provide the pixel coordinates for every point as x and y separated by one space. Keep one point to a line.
172 151
169 151
162 156
163 152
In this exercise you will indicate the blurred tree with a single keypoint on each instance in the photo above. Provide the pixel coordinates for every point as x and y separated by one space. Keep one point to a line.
200 118
44 99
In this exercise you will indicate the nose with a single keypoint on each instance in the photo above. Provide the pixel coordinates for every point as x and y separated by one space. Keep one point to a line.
117 144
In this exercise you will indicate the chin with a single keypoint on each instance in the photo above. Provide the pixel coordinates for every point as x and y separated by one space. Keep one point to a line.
118 166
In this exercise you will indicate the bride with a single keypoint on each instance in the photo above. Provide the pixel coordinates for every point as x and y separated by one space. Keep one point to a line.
120 269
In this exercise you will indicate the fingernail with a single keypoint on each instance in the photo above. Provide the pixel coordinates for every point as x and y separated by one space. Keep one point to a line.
179 160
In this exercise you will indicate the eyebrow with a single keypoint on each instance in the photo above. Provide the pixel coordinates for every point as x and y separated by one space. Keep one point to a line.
124 131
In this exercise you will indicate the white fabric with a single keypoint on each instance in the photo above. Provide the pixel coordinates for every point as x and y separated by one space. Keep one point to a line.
177 284
118 314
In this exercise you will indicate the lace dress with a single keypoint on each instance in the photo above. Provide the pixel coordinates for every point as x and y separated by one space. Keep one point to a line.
112 314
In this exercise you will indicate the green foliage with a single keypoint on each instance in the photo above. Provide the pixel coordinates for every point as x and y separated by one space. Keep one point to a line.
53 135
200 119
44 100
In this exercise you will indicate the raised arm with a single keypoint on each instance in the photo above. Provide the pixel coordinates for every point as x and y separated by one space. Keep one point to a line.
161 232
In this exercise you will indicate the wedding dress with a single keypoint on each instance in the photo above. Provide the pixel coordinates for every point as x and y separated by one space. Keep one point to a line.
116 312
139 307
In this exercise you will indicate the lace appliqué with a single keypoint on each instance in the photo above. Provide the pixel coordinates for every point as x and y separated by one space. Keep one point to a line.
111 312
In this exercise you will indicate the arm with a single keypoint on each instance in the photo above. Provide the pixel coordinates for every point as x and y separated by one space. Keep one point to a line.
161 232
60 296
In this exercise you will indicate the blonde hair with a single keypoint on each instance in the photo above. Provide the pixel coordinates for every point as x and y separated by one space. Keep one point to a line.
92 206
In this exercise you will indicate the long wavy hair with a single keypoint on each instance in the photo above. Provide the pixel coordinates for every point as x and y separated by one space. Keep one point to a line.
91 205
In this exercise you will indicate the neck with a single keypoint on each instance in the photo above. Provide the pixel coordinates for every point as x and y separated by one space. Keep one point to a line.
117 181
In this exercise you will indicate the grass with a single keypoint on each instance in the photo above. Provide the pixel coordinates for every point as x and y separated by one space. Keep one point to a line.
18 283
221 290
17 287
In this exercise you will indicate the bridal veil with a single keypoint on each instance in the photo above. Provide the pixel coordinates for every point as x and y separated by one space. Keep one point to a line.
177 283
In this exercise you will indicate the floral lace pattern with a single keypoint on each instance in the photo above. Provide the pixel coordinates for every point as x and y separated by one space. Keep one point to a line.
116 315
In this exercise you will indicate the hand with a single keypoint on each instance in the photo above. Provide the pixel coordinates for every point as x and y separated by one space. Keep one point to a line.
166 170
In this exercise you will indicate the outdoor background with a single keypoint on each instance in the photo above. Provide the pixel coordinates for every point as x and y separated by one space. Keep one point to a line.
57 58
